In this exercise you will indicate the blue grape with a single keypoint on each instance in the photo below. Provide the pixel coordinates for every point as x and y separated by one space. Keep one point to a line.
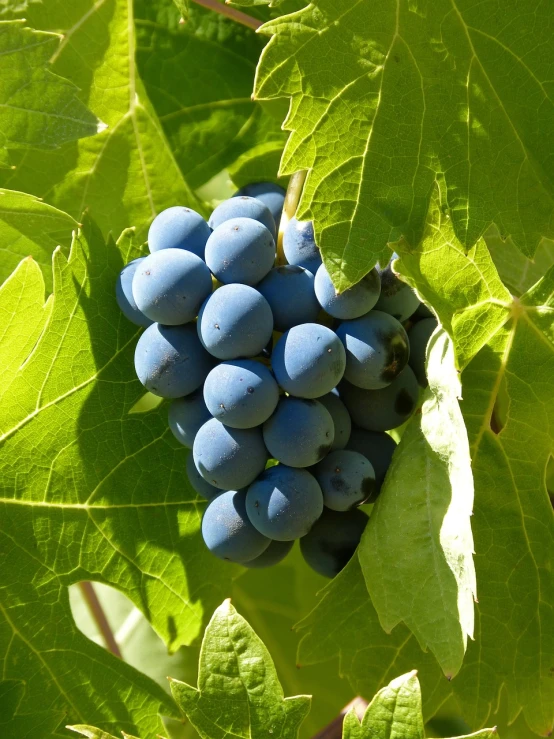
275 553
241 393
299 433
229 458
377 349
270 194
346 478
352 303
124 295
308 360
385 409
186 415
419 336
299 245
378 448
284 503
179 228
397 298
289 290
333 540
170 286
240 250
227 532
236 321
340 416
170 361
243 207
197 482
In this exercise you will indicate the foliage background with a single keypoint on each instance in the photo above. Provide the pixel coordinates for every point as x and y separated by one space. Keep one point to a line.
93 485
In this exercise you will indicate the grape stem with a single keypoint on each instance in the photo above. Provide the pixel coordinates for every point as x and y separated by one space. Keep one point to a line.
97 612
235 15
292 198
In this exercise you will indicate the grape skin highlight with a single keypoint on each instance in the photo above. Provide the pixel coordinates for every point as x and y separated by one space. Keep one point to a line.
284 503
227 532
229 458
124 295
235 322
352 303
170 361
308 360
377 349
240 250
241 393
300 432
179 228
170 286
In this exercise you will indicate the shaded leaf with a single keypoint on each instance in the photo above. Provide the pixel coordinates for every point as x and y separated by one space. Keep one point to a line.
199 76
238 694
126 174
259 164
38 109
30 227
416 553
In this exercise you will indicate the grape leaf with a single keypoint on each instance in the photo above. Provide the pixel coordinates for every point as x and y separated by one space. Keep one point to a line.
259 164
272 605
37 108
238 694
199 77
518 272
78 499
91 733
30 227
394 712
126 174
387 98
417 558
507 355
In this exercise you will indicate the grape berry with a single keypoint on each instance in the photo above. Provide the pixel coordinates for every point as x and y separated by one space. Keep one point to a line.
314 400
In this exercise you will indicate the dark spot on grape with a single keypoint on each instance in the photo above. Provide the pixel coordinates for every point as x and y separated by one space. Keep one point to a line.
236 228
404 403
329 351
368 488
216 325
147 272
338 484
250 390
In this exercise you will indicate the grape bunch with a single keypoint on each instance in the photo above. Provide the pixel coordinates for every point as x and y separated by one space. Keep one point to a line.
282 388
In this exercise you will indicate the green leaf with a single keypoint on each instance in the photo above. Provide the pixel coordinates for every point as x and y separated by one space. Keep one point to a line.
199 76
259 164
238 694
91 733
38 109
272 605
77 498
517 271
394 712
417 558
30 227
463 288
126 174
387 98
182 7
508 407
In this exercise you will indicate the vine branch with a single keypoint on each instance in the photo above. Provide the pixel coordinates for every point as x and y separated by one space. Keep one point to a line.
97 613
235 15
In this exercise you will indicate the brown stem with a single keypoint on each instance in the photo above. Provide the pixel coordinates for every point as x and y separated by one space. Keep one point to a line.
235 15
334 729
97 613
